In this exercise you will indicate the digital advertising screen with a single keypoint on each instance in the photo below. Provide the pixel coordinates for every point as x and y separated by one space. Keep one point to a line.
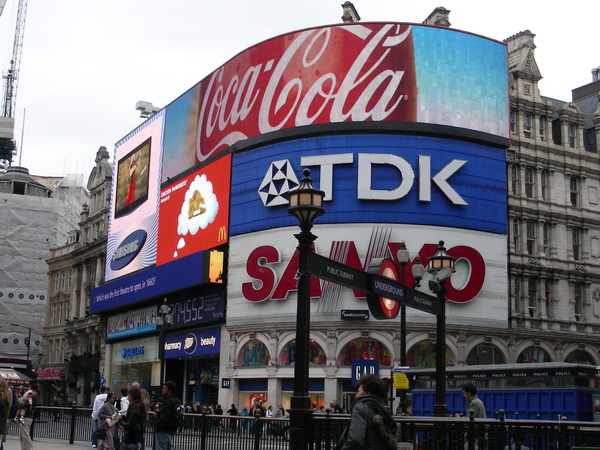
350 73
133 173
194 212
133 220
386 178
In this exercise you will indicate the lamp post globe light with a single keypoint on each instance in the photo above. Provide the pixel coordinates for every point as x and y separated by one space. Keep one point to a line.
441 265
305 203
164 320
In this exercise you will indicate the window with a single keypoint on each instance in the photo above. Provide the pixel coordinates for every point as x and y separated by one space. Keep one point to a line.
517 294
514 179
513 120
60 313
54 320
527 120
68 279
544 184
50 351
516 230
574 191
530 182
576 243
531 234
56 281
548 298
546 238
533 297
572 135
578 294
542 128
63 280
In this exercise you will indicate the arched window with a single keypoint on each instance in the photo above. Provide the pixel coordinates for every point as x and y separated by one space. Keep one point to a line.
423 355
533 355
364 349
254 354
316 354
483 354
580 357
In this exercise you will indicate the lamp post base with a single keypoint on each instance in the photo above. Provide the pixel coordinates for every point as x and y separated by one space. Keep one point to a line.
299 421
440 410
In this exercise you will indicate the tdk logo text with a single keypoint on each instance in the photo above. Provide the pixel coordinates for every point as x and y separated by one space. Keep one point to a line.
280 177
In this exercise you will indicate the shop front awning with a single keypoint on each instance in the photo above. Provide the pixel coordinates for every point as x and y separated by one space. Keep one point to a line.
14 376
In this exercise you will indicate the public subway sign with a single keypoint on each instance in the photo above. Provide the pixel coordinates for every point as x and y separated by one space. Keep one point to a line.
367 72
272 278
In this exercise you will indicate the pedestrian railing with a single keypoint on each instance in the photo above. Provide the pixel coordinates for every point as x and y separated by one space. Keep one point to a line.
216 432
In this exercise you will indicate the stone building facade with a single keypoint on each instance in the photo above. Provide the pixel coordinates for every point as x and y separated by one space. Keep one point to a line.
73 338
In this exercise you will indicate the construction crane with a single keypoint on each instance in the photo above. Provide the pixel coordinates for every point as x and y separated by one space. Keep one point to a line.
11 77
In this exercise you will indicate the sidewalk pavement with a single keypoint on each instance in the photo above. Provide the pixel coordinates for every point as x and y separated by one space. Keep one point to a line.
12 443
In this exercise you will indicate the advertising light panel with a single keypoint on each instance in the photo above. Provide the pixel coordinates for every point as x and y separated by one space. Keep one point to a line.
133 221
367 72
263 287
373 178
194 212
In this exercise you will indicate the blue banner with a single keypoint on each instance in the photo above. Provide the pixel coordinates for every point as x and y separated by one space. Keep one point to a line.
152 282
373 179
193 343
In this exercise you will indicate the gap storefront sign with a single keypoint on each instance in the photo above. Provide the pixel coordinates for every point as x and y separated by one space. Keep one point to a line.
193 343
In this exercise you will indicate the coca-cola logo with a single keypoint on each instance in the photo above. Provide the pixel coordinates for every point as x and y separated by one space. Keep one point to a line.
324 75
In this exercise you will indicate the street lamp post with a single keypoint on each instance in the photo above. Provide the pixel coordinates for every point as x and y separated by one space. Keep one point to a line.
403 258
306 203
441 265
164 319
28 345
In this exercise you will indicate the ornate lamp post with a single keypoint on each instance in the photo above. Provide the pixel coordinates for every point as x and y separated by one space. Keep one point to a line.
28 342
441 265
403 258
305 204
164 320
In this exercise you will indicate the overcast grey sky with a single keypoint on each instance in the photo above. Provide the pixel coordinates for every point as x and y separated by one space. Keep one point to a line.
85 63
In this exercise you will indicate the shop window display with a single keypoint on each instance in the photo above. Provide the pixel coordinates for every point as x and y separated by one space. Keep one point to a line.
254 354
316 354
364 349
423 355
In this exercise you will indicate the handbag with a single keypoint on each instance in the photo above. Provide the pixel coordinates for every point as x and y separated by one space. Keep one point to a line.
101 433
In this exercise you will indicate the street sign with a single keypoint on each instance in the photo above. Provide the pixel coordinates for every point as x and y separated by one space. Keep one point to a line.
329 270
400 380
423 302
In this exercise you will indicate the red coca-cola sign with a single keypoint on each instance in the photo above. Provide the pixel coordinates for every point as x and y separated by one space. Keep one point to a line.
342 73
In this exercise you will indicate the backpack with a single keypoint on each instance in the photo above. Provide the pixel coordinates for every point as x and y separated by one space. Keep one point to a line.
177 416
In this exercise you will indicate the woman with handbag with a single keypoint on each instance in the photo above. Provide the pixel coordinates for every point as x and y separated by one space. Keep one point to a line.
107 417
133 422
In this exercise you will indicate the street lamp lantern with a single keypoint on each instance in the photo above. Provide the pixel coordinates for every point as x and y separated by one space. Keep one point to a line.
417 271
441 265
305 203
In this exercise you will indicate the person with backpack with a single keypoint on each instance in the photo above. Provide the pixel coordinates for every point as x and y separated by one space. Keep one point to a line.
167 418
371 424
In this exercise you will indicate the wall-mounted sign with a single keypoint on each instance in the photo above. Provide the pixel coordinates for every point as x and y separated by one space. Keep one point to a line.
361 367
355 314
193 343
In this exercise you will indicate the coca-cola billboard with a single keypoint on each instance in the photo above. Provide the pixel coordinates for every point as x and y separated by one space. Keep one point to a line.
368 72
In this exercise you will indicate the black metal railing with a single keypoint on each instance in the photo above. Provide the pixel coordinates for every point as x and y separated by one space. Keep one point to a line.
214 432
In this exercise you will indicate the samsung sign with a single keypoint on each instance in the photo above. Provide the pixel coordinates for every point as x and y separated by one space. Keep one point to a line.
194 343
375 179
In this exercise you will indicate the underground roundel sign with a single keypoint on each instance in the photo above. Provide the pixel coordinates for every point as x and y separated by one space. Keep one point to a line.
382 307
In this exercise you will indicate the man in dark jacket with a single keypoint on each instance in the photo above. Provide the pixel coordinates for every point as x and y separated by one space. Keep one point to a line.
371 425
166 418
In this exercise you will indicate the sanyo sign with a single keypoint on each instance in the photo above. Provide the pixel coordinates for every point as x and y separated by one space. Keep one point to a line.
406 179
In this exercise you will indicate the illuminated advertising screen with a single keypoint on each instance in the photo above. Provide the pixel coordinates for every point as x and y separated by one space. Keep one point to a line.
387 178
194 212
133 221
264 283
361 72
